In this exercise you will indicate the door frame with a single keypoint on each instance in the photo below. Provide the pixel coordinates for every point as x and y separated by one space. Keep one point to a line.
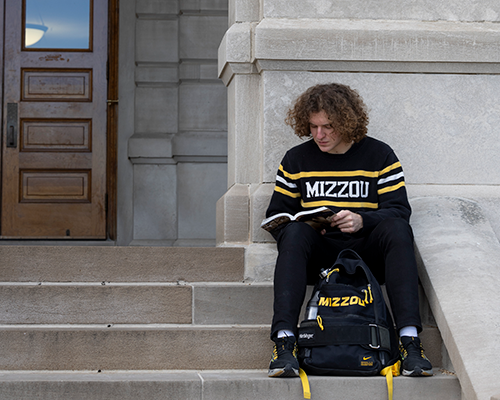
112 119
112 111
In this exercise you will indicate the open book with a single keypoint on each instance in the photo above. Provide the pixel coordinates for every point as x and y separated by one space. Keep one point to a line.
320 216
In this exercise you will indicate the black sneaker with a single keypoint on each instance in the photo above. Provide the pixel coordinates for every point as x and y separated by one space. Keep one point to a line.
414 361
284 363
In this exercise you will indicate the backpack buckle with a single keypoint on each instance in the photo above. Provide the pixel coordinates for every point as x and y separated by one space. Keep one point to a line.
374 337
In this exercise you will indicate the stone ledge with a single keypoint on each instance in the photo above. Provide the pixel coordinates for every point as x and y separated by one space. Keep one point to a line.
235 52
363 45
213 385
151 145
377 40
458 270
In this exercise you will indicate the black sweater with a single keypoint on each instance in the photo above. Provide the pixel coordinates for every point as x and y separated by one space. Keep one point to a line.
368 179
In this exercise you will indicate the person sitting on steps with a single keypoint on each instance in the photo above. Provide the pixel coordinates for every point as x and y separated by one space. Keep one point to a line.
361 179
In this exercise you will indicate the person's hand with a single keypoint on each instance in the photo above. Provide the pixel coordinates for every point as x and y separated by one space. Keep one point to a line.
347 221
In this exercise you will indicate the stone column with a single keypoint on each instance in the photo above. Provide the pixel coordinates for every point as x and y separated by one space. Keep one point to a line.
429 73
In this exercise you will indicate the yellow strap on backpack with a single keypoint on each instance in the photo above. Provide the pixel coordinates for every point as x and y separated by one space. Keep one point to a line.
305 384
389 372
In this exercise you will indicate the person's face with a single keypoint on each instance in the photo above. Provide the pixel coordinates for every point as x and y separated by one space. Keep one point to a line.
325 136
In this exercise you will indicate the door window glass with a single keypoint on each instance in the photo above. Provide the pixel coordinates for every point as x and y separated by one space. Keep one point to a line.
57 24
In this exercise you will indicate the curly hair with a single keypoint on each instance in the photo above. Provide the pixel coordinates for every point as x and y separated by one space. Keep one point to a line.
343 106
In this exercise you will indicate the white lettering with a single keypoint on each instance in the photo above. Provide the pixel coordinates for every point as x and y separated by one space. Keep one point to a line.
329 191
307 336
354 189
312 191
364 193
343 189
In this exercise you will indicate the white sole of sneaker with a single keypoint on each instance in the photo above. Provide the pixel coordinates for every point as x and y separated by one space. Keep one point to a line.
417 372
287 372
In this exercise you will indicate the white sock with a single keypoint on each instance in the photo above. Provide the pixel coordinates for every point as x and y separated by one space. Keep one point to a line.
285 333
408 331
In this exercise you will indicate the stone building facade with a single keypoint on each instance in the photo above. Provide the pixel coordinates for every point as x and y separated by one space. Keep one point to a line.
429 73
172 140
203 87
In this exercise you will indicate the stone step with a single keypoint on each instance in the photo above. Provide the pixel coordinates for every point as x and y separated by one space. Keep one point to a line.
141 302
109 308
136 303
214 385
148 347
120 264
133 347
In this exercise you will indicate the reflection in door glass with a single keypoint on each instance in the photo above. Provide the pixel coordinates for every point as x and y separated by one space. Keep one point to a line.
57 24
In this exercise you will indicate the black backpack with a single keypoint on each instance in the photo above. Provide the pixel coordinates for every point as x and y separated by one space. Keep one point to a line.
349 329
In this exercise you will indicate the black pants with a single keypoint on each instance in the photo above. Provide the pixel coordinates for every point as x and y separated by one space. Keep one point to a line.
303 252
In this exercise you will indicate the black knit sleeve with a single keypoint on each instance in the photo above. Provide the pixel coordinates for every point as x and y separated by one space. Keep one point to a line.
392 196
286 196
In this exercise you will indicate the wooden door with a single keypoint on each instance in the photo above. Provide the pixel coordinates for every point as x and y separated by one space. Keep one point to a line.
54 128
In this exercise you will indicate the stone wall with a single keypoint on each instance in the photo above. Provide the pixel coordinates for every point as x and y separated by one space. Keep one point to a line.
429 73
172 164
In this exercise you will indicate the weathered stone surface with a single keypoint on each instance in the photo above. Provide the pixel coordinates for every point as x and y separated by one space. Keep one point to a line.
422 10
120 264
233 215
245 140
150 145
155 188
172 55
156 40
157 7
233 304
200 36
202 107
195 183
157 109
103 385
251 386
409 112
376 40
96 304
134 347
213 385
243 11
458 270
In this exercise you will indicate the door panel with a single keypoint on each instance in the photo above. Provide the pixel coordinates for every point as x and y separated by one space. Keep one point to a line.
55 135
54 149
56 85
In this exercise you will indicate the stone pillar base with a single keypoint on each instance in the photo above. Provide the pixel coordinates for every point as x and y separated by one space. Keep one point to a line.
239 214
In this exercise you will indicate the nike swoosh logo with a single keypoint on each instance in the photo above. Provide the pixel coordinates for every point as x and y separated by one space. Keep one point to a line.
366 358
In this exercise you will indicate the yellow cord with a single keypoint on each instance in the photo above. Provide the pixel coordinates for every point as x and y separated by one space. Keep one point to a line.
320 322
370 290
331 272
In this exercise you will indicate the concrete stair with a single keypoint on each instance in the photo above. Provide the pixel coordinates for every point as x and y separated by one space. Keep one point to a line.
108 322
